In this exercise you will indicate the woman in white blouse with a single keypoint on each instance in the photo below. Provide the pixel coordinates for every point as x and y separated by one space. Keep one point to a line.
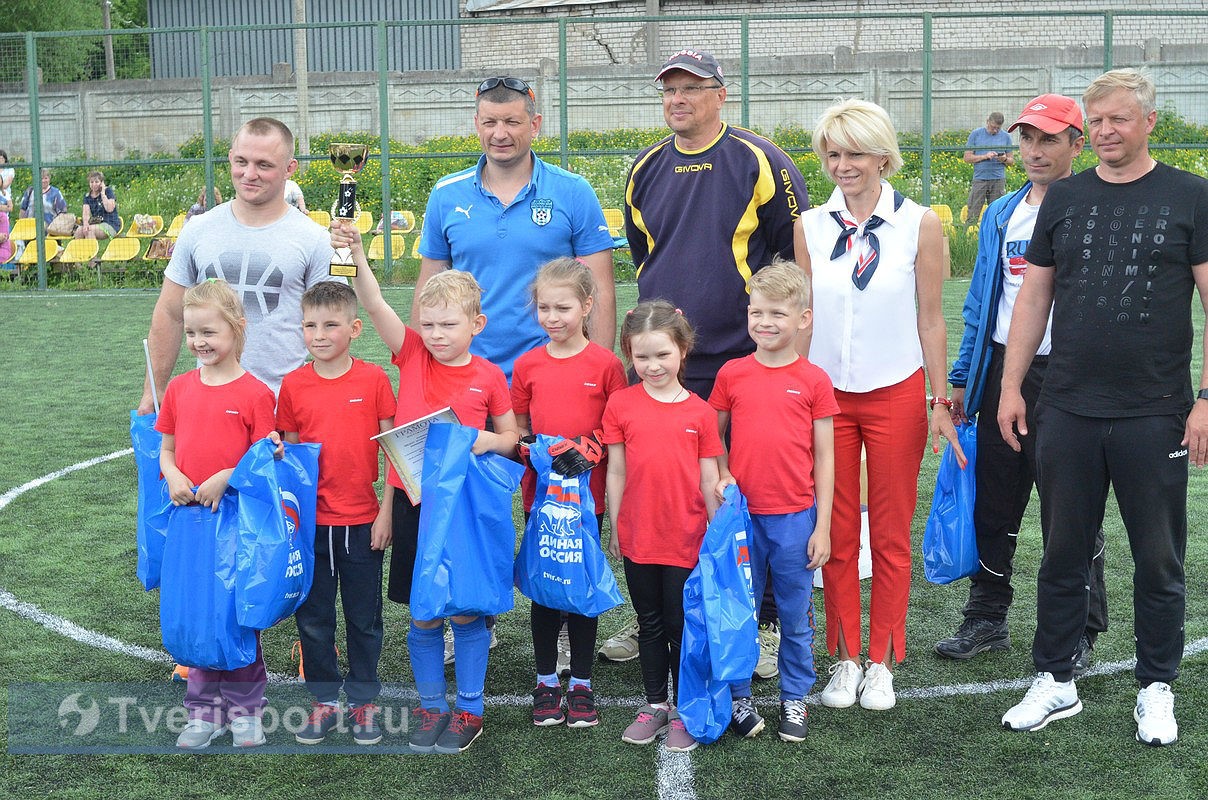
875 259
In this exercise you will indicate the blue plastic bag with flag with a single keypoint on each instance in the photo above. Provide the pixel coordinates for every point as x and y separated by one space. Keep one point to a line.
197 588
154 502
560 564
467 538
950 540
720 642
275 549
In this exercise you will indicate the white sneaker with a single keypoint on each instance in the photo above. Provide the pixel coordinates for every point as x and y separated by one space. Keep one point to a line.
198 734
1046 700
876 690
844 686
1155 715
247 732
563 663
768 666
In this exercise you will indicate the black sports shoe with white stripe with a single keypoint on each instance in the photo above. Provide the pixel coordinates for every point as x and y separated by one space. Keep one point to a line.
794 721
745 720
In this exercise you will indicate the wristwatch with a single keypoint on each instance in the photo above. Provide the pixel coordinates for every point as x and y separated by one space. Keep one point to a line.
1203 395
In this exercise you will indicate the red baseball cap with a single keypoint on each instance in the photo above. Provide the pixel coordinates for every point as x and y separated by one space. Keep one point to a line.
1051 113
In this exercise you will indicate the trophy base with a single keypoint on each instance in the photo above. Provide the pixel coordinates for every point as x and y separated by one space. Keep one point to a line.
342 265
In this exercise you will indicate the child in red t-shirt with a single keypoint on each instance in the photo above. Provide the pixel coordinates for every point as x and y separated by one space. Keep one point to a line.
662 469
341 402
209 419
436 369
779 409
560 389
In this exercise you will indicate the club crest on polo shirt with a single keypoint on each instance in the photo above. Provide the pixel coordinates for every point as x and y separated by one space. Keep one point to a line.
543 211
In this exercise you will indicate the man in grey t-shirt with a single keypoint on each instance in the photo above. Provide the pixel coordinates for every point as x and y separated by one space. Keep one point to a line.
268 251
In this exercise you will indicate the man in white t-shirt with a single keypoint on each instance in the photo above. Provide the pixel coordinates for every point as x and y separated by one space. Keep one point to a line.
1050 138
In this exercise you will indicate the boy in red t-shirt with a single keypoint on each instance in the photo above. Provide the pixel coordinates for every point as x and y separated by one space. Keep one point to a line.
341 402
782 456
436 369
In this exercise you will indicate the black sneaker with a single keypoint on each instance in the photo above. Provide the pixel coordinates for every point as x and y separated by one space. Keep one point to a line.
975 635
744 719
365 729
547 705
463 729
794 721
426 727
321 720
1084 657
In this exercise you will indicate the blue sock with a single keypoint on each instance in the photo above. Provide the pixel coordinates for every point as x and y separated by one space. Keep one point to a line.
549 680
427 649
579 682
471 643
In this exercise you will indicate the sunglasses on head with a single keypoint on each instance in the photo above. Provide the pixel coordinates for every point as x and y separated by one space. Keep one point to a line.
515 84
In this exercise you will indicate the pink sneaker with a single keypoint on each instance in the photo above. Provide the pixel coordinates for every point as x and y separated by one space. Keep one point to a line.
678 738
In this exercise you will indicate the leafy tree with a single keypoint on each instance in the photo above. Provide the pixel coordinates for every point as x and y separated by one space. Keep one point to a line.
72 58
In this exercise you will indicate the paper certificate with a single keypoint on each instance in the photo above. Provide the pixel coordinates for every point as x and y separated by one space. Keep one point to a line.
404 447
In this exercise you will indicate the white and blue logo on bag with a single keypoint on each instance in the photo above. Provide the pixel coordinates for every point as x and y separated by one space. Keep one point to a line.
560 515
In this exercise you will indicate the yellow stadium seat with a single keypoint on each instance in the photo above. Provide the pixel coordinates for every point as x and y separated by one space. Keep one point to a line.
364 222
159 226
30 256
178 222
122 248
320 217
377 249
24 229
121 226
616 222
79 251
943 212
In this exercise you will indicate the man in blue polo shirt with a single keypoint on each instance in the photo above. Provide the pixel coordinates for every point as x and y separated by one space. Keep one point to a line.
506 216
988 150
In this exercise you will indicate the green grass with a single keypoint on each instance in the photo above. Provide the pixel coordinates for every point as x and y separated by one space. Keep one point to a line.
68 547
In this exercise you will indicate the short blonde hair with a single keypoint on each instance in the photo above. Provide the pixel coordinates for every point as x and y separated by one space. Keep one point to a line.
219 295
782 280
453 288
1131 80
861 127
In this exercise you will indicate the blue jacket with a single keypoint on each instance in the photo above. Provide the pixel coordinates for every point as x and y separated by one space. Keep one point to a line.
981 303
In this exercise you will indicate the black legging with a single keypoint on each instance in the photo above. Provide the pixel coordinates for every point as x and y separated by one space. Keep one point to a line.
657 594
546 623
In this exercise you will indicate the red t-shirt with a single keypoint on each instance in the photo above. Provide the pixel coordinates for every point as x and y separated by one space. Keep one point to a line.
475 392
565 397
341 414
772 413
214 425
662 519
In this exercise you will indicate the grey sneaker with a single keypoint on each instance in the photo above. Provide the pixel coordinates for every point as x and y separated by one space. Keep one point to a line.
247 732
650 722
622 645
975 635
744 719
365 727
426 726
1046 700
769 651
321 720
198 734
678 739
1085 656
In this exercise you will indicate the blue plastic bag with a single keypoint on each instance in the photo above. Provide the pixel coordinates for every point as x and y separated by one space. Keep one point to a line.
950 540
275 552
197 589
463 565
154 502
730 610
720 643
560 564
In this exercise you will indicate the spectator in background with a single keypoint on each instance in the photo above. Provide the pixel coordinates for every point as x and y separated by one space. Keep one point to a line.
294 196
6 183
6 246
52 200
100 219
200 206
988 150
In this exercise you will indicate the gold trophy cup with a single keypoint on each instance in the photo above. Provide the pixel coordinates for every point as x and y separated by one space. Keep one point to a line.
348 159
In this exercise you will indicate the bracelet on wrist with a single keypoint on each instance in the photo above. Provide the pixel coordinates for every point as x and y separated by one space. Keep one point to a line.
932 402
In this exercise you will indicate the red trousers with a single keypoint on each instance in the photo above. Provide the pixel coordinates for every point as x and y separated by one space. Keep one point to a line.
891 425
